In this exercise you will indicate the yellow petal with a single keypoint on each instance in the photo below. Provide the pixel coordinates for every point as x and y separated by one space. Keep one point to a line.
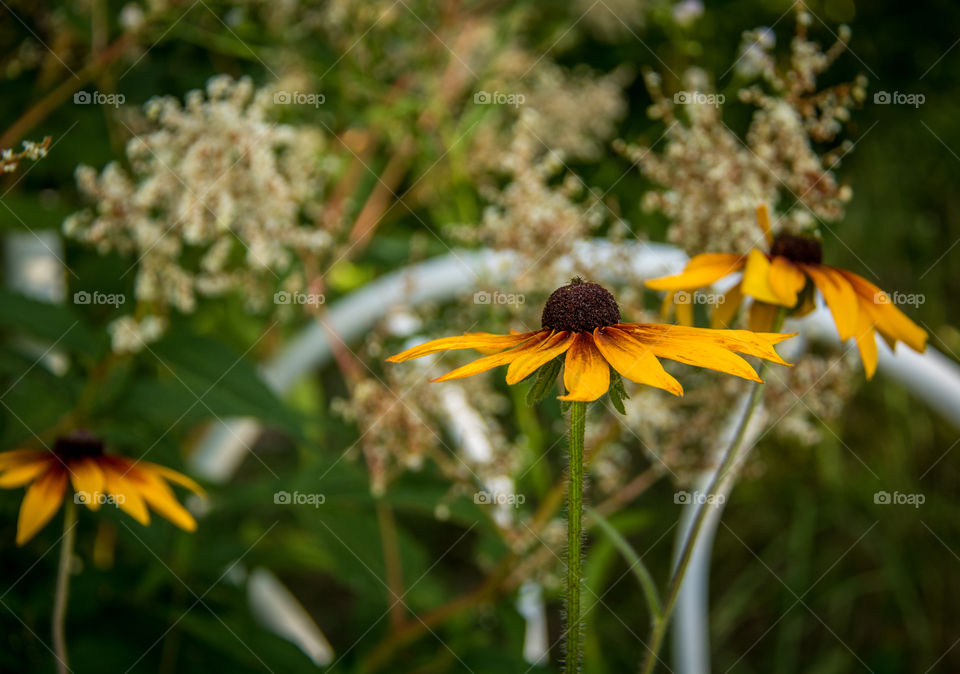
548 350
40 503
666 307
763 218
762 316
586 375
489 362
701 270
839 296
634 360
725 313
161 498
19 455
786 281
172 476
26 470
758 344
704 354
756 278
684 305
87 478
890 321
124 490
471 340
867 344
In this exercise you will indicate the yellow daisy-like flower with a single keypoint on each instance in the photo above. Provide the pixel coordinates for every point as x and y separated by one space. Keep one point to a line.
786 277
582 321
96 477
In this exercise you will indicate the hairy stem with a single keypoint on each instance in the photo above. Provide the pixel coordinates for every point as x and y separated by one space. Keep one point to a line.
574 631
63 586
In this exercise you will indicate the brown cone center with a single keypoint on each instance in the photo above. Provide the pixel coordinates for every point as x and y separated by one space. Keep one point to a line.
580 307
78 444
795 248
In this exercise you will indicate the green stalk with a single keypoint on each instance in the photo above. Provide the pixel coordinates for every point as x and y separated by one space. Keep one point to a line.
574 632
63 586
637 566
734 456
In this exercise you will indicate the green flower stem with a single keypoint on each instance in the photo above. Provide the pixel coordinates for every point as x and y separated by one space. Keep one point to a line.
726 472
637 566
574 632
63 586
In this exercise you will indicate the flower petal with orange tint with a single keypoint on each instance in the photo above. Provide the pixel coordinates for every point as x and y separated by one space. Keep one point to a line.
634 360
701 270
867 344
526 364
889 320
726 311
161 498
26 470
586 375
839 296
471 340
758 344
756 278
18 455
786 281
40 503
172 476
125 491
762 316
489 362
87 477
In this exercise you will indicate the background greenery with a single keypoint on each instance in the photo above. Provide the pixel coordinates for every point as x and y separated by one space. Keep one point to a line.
808 574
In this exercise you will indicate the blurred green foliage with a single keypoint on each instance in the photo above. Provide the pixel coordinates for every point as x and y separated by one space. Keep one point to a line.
809 575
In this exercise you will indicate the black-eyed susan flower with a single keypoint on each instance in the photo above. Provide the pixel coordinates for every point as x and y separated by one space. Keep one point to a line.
581 321
786 276
97 477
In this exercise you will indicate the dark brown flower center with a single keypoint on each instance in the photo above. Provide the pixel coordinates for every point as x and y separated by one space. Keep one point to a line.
797 248
580 307
78 444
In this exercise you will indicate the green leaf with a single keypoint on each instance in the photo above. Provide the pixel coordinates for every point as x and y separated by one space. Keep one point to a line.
546 376
216 380
617 393
55 323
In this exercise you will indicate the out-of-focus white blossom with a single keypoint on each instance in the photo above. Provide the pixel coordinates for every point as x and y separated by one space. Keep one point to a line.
220 198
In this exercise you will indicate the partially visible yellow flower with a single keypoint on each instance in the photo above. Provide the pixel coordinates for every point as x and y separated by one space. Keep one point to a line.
786 277
96 477
582 322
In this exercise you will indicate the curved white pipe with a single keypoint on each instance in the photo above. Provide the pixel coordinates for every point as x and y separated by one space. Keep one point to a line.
931 377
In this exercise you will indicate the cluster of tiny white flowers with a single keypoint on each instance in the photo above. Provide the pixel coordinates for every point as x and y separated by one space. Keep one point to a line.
712 204
219 199
570 113
128 335
10 160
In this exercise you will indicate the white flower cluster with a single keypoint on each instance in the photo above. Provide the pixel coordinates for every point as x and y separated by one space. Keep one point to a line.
128 335
712 203
220 198
10 160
